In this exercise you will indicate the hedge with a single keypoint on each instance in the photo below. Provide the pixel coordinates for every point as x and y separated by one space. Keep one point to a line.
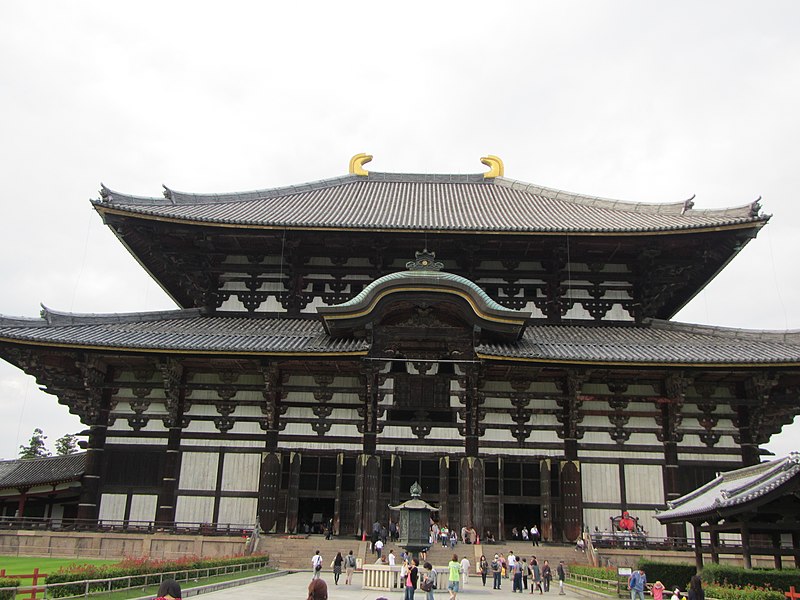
604 573
672 575
138 567
775 579
747 593
8 594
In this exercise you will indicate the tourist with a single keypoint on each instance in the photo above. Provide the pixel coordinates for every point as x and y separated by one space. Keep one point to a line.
349 568
511 563
547 576
516 573
429 580
465 565
169 590
391 558
524 533
536 584
453 539
496 569
378 547
658 591
483 566
464 535
535 535
580 545
525 572
562 575
696 589
317 590
337 567
637 583
503 566
454 576
445 534
676 595
411 578
316 565
514 533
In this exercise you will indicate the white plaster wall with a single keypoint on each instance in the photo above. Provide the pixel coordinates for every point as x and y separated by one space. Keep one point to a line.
111 440
598 517
240 472
189 445
647 519
596 437
143 507
194 509
600 482
112 507
237 511
621 453
198 471
644 484
291 445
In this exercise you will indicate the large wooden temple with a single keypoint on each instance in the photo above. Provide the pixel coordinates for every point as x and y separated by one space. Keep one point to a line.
507 345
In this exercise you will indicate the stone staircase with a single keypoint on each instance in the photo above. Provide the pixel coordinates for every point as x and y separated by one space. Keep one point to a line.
294 552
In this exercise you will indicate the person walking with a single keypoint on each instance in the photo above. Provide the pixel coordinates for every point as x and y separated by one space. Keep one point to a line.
169 590
317 590
349 568
637 583
496 568
547 575
378 547
454 576
536 584
696 589
316 565
561 577
483 565
337 567
516 573
465 565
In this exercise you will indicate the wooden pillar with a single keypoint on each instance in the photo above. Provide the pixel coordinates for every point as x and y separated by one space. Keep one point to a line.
174 376
337 502
749 448
746 554
369 476
698 546
395 491
89 502
293 494
670 406
501 507
444 490
546 525
472 477
776 550
714 545
368 470
23 497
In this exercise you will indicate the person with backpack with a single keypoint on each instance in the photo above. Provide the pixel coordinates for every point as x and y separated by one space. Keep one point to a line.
561 577
483 566
349 567
316 564
496 568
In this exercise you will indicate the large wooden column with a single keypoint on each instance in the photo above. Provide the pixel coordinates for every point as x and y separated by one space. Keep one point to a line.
444 490
293 494
570 468
271 462
368 469
698 546
669 417
471 470
98 382
174 376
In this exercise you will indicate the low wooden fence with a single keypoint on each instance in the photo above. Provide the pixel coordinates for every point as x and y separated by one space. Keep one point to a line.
32 589
91 587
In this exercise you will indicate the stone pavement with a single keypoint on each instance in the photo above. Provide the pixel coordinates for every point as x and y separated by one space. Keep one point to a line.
295 587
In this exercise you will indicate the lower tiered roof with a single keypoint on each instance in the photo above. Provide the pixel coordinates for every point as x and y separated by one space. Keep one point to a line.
193 332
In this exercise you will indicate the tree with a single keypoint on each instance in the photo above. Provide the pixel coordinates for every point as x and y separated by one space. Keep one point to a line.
35 447
66 444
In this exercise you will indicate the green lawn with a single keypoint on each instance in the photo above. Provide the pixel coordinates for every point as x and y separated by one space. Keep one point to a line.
24 565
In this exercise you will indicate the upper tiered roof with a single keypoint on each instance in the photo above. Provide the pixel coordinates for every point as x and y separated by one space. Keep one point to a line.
414 202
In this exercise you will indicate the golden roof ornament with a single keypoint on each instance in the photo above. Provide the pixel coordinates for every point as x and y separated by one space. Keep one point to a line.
495 165
357 164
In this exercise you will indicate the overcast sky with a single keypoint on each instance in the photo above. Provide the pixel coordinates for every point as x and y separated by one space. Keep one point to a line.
640 101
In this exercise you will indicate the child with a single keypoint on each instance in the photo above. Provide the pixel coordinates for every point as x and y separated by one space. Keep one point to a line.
676 595
658 591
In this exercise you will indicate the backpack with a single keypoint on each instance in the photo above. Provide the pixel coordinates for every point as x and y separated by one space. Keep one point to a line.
427 585
351 560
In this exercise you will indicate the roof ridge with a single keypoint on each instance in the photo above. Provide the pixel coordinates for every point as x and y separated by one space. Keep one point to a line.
789 335
53 317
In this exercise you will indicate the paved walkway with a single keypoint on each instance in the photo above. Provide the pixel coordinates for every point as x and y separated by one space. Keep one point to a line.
295 587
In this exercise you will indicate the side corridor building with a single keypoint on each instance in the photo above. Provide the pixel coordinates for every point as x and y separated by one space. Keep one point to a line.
507 345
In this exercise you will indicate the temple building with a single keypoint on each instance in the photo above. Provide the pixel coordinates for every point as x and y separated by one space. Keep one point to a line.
506 345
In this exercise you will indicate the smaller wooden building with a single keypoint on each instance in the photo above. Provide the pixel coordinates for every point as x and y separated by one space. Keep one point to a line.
41 488
759 505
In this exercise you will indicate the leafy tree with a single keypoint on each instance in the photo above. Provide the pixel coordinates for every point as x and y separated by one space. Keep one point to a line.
66 444
35 447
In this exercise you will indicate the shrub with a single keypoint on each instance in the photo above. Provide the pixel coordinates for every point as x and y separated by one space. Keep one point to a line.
672 575
746 593
8 583
139 568
775 579
605 573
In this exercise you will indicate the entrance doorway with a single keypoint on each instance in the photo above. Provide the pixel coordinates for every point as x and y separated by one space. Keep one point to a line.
519 516
313 514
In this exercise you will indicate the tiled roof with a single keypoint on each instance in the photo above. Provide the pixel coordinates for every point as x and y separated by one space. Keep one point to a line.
733 490
658 342
180 330
398 201
38 471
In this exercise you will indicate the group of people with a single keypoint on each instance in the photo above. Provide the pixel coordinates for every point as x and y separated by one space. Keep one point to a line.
637 584
348 563
532 535
449 536
522 572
